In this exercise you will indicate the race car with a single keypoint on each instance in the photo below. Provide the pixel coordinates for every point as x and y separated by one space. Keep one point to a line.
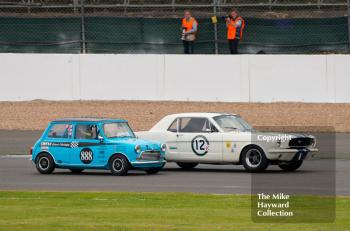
89 143
222 138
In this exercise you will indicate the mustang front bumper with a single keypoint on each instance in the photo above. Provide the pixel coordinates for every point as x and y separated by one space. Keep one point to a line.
291 154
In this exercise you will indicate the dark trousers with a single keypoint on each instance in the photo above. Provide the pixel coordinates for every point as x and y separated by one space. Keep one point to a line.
233 45
188 47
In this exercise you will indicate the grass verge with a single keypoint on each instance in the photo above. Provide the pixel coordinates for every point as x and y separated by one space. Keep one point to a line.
142 211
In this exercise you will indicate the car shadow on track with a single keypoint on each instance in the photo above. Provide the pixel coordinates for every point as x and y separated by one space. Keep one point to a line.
169 170
268 171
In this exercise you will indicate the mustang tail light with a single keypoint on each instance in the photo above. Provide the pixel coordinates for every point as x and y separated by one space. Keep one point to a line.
31 151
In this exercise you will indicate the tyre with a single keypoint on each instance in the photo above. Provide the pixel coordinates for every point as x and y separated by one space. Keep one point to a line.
187 166
76 170
254 159
290 166
45 163
152 171
119 165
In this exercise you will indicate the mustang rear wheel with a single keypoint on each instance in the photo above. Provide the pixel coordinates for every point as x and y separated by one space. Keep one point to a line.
187 166
119 165
45 164
76 170
290 166
254 159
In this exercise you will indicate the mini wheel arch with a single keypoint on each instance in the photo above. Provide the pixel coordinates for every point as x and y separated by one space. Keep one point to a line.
118 154
40 153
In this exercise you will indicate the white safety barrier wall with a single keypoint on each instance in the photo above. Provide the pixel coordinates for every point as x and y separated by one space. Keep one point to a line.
244 78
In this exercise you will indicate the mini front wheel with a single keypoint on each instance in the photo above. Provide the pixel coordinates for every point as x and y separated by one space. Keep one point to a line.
290 166
119 165
45 163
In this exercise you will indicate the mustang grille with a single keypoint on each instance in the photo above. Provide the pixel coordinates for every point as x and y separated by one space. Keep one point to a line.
301 142
150 155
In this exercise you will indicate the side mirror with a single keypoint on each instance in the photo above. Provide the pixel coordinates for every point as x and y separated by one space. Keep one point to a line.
100 138
208 130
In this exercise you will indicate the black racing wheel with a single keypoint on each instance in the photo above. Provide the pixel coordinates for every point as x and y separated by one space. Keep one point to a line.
254 159
45 164
119 165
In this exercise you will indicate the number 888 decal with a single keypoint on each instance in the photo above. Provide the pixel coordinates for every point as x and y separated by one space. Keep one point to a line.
86 155
200 145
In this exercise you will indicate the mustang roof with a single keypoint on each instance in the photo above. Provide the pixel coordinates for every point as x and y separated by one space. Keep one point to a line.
164 123
200 114
89 119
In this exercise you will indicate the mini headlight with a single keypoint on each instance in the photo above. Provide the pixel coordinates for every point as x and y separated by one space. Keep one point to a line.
138 148
163 147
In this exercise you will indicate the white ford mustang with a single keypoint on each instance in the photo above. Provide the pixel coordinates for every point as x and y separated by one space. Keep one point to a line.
221 138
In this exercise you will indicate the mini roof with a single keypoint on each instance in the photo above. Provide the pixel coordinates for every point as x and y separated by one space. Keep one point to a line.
89 119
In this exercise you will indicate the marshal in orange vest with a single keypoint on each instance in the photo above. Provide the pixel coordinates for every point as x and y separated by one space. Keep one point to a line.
187 26
232 31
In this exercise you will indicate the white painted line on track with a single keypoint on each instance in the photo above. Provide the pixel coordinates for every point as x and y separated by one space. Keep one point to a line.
16 156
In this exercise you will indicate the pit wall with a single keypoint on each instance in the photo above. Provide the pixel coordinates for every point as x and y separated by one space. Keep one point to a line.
243 78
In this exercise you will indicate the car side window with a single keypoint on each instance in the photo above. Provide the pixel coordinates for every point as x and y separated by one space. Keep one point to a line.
173 126
60 131
86 131
195 125
209 127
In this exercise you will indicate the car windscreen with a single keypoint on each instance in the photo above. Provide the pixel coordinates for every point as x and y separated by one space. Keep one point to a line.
229 123
117 130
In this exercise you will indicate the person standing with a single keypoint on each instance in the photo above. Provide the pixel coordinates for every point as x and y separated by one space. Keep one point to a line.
189 32
235 25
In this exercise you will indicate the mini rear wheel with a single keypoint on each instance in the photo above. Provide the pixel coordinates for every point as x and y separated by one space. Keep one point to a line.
254 159
45 163
187 166
290 166
119 165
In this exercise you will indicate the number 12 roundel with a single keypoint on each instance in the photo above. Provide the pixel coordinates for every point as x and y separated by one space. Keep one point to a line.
200 145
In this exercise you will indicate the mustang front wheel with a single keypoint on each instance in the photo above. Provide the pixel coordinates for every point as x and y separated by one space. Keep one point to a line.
45 164
119 165
254 159
290 166
187 166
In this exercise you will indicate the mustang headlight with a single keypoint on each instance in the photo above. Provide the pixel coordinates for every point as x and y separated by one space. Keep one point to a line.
313 142
138 148
163 147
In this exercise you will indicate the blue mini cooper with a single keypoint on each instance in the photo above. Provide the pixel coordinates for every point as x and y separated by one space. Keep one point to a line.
90 143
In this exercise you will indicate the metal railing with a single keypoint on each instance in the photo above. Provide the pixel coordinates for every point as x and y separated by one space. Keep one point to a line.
264 9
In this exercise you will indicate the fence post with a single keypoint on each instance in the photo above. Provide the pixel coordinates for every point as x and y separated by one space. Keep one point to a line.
82 14
216 28
349 25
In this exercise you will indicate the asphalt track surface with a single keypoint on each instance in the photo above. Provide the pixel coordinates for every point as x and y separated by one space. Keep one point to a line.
19 142
316 177
326 176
